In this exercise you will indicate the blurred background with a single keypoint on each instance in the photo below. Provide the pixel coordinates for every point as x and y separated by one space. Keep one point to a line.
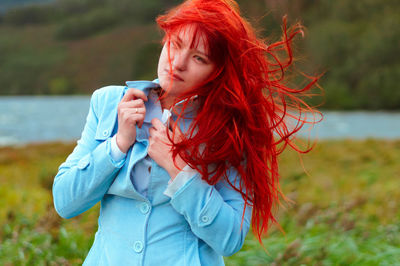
76 46
345 209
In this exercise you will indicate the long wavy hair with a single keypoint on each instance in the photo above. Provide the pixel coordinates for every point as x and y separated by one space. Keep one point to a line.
247 113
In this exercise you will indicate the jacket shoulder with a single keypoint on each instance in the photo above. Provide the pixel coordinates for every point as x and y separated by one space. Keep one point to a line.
106 97
104 103
108 92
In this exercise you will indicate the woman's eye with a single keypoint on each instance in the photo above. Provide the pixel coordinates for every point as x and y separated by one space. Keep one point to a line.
200 59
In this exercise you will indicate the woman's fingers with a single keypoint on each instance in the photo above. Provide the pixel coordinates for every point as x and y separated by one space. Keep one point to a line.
172 125
158 132
134 118
133 107
131 112
135 110
133 103
152 131
133 94
157 124
160 149
131 117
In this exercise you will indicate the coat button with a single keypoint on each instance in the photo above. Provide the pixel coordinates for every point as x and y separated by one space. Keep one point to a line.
138 246
144 208
204 219
105 133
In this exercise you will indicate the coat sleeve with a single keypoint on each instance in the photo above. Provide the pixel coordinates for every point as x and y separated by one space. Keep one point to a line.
84 178
214 212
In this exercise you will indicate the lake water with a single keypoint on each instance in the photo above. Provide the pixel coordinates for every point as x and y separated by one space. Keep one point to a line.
27 119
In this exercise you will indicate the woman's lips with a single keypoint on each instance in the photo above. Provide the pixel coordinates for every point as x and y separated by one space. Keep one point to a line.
175 76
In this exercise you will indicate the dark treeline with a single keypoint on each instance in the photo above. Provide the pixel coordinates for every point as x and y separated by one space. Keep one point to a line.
76 46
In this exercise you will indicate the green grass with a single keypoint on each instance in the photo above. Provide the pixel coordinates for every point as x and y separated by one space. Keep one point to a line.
345 209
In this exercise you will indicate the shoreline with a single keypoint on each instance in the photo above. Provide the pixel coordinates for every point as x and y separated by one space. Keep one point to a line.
73 142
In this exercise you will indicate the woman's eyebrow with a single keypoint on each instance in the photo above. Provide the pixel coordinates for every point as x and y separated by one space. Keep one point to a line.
202 53
179 40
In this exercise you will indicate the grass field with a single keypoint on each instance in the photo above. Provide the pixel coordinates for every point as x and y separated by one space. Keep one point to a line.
345 209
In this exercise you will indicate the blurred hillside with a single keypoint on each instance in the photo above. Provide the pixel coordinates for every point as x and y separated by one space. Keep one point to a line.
7 4
76 46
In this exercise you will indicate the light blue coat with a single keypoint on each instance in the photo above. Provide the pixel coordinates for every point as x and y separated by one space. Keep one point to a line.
197 226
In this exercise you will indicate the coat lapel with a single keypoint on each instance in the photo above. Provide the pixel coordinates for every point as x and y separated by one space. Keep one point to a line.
122 185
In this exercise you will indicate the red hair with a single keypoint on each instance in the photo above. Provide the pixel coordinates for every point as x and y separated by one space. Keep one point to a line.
241 120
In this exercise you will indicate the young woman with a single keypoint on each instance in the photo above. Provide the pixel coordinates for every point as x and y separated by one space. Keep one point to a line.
182 165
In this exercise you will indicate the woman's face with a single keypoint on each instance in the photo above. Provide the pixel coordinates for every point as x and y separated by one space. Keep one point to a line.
191 66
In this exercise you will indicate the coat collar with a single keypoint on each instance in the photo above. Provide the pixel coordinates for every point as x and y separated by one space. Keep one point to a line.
153 106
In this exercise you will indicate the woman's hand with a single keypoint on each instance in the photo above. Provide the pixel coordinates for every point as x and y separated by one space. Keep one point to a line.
131 112
160 148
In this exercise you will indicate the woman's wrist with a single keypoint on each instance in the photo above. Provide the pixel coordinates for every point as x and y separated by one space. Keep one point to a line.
122 145
116 153
174 170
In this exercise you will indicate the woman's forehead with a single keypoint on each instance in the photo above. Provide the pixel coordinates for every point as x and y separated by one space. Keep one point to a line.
192 36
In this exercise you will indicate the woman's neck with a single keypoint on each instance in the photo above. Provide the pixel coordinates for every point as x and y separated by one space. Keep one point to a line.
166 102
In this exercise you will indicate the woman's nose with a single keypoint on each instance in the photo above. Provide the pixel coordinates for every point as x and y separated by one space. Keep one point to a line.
179 61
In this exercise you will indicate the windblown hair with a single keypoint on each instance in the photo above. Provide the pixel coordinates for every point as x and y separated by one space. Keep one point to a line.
243 116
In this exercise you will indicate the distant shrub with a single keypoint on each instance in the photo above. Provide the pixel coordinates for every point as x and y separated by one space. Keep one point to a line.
49 12
35 14
379 89
142 11
86 25
74 7
60 85
145 61
357 43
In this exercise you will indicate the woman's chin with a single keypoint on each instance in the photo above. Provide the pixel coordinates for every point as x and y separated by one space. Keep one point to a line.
168 85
